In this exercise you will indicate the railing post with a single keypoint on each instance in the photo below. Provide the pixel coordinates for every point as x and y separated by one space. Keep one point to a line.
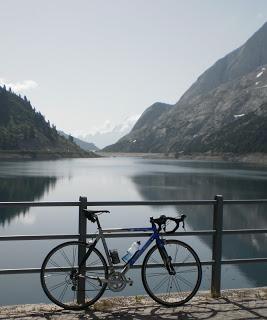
82 250
217 247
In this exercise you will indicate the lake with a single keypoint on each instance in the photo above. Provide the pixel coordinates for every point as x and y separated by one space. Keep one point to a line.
118 179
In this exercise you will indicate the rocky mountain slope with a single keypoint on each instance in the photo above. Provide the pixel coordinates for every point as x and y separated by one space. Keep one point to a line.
227 101
146 124
23 130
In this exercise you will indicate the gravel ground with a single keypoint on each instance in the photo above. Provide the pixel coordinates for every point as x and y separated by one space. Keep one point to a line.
234 304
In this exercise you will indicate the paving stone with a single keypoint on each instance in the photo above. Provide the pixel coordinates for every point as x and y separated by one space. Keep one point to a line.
234 304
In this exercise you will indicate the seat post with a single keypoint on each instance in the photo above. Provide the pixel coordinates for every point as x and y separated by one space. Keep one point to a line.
98 223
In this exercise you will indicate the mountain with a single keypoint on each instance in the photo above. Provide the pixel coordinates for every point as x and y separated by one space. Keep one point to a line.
109 133
86 146
25 132
227 101
236 64
148 120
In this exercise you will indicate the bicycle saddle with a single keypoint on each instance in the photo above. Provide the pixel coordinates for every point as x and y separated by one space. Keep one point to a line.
91 214
95 211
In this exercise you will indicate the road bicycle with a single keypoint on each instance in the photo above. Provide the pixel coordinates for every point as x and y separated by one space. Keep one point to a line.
74 274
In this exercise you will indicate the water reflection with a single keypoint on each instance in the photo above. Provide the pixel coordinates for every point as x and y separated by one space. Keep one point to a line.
108 179
203 183
22 188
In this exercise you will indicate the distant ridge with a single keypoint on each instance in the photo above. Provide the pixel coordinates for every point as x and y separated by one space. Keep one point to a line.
86 146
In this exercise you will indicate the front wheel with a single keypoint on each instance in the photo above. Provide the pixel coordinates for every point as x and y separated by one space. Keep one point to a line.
65 283
173 288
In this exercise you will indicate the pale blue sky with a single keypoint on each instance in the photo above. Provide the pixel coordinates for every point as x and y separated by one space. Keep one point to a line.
96 62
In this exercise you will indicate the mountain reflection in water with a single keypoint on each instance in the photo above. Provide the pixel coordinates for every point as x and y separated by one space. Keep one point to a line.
200 185
124 179
22 188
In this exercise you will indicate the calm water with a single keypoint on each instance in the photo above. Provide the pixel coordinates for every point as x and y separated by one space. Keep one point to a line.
128 179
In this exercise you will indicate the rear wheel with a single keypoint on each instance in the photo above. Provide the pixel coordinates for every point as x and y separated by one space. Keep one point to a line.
174 289
61 277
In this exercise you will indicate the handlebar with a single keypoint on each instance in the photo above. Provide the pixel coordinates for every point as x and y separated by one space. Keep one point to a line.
162 220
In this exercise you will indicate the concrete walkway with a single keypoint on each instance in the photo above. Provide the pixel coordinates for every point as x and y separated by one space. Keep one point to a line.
236 304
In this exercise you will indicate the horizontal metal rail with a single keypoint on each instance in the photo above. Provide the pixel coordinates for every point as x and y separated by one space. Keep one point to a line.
126 203
107 235
136 266
250 201
129 234
39 237
38 204
150 203
139 266
107 203
241 261
217 232
244 231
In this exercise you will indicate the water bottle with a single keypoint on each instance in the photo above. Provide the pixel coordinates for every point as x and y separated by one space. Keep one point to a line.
131 251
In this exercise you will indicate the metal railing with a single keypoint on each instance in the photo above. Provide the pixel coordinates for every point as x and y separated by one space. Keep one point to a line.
217 232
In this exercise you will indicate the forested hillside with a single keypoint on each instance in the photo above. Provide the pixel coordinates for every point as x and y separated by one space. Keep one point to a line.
23 129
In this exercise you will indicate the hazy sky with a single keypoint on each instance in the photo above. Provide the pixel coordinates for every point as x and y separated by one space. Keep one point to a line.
90 64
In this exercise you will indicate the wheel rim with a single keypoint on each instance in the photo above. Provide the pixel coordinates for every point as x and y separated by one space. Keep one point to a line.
60 276
172 289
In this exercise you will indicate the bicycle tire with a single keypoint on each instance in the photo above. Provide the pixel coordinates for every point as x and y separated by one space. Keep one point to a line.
58 272
184 277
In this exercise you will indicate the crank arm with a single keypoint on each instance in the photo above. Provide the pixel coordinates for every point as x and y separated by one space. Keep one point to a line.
100 280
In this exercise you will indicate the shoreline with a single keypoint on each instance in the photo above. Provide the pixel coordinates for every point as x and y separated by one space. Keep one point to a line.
43 155
253 158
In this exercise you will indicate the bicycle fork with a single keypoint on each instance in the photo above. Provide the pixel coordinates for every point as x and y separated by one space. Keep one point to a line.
167 260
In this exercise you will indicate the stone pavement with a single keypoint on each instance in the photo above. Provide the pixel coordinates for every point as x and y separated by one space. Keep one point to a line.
234 304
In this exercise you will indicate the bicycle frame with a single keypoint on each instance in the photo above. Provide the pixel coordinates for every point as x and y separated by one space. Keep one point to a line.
134 258
76 276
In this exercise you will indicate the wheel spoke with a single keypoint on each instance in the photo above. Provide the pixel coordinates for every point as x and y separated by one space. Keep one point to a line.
58 285
185 281
179 291
169 287
176 253
155 274
187 271
63 290
155 261
94 262
95 286
189 254
74 255
55 274
66 257
57 265
159 281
